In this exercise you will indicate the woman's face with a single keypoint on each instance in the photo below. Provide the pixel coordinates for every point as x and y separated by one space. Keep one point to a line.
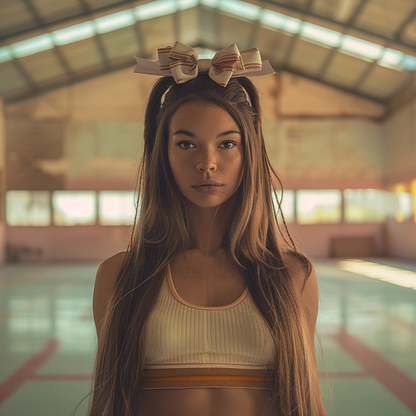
205 150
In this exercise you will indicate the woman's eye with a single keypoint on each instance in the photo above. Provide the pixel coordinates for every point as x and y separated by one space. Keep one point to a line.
229 144
185 145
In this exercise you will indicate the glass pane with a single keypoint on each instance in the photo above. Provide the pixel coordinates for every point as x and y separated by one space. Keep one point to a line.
116 207
287 204
318 206
403 206
74 207
366 205
28 208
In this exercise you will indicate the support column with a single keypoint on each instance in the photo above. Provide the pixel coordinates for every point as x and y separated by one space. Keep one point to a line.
2 183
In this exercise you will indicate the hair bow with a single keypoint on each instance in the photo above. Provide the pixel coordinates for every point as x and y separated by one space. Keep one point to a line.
182 63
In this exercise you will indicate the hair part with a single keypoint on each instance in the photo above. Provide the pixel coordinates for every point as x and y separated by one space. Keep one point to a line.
257 241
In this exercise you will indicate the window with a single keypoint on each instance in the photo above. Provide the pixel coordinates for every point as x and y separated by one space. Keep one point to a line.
28 208
318 206
116 207
287 204
74 207
366 205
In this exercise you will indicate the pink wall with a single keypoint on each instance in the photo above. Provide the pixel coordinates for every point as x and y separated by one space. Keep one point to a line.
70 243
99 242
400 130
315 239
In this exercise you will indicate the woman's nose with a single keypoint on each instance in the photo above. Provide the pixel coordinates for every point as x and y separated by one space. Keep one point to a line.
206 163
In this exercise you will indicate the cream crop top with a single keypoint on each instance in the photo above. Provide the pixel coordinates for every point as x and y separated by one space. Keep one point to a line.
191 346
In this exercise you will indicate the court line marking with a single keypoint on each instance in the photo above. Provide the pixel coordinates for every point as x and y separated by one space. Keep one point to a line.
32 302
24 372
372 308
395 380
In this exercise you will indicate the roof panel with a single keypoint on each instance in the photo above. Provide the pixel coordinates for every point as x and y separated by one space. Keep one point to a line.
273 44
345 69
235 31
335 9
14 13
10 78
384 82
209 26
189 26
384 17
409 34
308 56
42 66
98 4
52 10
158 33
82 54
121 43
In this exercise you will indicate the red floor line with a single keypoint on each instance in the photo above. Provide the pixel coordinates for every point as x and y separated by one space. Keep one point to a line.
13 382
401 385
60 377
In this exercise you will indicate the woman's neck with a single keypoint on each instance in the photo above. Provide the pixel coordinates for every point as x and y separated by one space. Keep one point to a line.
208 227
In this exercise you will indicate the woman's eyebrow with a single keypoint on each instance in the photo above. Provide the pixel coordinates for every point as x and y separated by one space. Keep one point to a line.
188 133
226 133
185 133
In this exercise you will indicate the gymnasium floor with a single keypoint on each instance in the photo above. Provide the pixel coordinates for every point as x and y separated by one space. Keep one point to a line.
367 328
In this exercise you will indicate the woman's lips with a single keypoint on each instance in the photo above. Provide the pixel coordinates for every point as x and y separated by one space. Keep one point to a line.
207 188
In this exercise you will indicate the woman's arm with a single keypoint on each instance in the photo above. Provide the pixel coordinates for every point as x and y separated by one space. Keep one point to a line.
105 283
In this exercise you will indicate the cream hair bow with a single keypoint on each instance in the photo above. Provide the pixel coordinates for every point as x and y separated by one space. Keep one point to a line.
182 63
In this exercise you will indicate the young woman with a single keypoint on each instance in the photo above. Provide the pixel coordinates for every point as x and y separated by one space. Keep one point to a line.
211 311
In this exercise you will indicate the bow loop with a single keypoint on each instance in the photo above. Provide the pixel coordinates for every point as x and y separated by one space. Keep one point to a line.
224 63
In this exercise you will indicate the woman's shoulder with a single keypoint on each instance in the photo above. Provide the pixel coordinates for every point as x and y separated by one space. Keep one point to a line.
105 283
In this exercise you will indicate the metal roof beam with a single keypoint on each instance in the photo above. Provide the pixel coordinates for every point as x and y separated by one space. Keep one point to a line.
327 83
23 73
398 35
370 68
97 38
346 26
357 12
39 20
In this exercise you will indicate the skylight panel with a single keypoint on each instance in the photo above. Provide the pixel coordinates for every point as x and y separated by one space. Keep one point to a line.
155 9
321 35
293 25
409 63
115 21
186 4
5 54
31 46
73 33
391 58
279 21
273 20
362 48
210 3
240 8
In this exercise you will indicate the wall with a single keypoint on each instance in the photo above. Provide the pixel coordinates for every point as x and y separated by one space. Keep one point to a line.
400 132
316 136
3 227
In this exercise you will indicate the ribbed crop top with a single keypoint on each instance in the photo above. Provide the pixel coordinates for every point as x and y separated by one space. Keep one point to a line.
190 346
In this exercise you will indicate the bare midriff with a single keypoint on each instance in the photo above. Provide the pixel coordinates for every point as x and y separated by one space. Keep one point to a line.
204 402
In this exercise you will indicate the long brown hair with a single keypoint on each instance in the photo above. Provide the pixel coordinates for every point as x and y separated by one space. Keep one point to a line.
257 241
